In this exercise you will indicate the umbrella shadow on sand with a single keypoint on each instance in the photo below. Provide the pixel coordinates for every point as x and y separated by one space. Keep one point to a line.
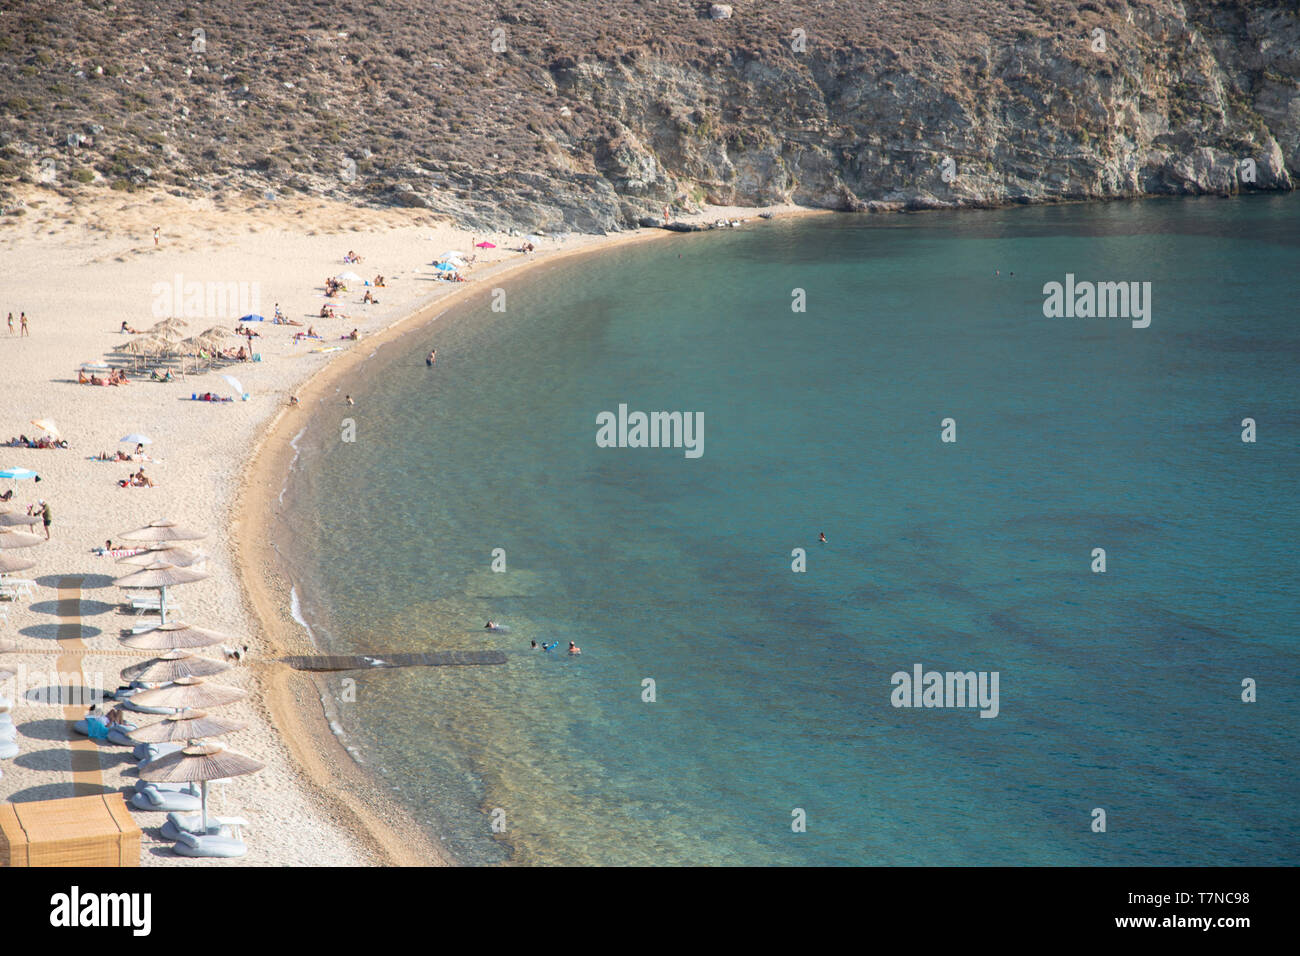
85 609
49 728
50 632
56 791
88 581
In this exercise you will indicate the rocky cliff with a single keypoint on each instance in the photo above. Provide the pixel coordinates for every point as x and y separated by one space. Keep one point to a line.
573 114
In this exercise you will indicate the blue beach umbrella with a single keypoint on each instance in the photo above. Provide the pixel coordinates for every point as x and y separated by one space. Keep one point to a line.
444 267
251 318
17 474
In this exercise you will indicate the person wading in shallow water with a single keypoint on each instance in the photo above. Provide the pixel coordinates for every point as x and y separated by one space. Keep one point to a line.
431 358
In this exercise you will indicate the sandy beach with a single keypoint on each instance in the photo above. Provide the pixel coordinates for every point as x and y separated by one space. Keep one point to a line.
78 272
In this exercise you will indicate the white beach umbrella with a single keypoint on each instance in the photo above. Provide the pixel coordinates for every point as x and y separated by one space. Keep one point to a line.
234 383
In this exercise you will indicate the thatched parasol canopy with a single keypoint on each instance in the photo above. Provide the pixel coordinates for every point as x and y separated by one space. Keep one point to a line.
179 557
202 762
187 725
16 519
162 530
10 539
172 666
175 635
9 563
189 692
160 575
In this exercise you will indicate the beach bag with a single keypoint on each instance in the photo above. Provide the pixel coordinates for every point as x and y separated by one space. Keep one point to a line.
96 728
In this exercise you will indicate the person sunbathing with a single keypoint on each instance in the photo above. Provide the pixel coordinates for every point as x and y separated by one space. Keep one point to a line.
311 331
379 282
7 495
353 335
324 312
127 328
369 299
96 380
81 377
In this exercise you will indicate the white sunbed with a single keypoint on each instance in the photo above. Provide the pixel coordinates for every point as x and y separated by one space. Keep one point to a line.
22 586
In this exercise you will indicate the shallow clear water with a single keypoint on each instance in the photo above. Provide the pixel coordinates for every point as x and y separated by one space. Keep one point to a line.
1118 690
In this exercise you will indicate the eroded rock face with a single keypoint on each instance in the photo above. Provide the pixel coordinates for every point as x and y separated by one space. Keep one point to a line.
1161 110
567 115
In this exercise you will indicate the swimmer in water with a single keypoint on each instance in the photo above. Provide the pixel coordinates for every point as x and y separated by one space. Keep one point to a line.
551 646
822 537
489 625
431 358
574 648
532 645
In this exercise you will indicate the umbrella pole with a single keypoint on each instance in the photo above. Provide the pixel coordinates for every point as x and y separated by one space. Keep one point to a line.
162 604
204 801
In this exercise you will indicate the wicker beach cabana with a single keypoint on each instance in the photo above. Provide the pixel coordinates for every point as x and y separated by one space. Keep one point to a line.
78 831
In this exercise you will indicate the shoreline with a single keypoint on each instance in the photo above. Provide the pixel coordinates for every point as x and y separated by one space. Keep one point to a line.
385 826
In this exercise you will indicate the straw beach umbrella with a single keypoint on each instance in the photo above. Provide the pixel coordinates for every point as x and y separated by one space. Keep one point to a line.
187 725
9 563
179 557
172 666
175 635
201 762
164 529
161 576
11 539
189 692
15 519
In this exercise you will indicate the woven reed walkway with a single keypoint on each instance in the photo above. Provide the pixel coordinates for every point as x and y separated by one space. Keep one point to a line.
87 777
378 661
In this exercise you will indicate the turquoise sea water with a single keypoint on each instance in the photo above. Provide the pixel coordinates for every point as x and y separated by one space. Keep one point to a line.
1119 691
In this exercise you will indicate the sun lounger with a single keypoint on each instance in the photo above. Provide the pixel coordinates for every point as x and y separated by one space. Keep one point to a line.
150 797
192 823
190 788
98 730
191 844
6 704
6 720
22 586
8 749
8 733
146 752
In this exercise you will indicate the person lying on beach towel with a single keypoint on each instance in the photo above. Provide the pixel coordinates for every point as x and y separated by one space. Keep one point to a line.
153 374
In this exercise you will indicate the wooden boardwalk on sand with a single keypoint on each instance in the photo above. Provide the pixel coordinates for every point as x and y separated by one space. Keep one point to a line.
377 661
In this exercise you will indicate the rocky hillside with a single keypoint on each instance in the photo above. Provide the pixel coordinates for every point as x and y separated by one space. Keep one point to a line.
589 115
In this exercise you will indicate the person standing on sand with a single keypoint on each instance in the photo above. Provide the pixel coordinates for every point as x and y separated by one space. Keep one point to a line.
22 326
155 235
11 323
348 399
46 518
